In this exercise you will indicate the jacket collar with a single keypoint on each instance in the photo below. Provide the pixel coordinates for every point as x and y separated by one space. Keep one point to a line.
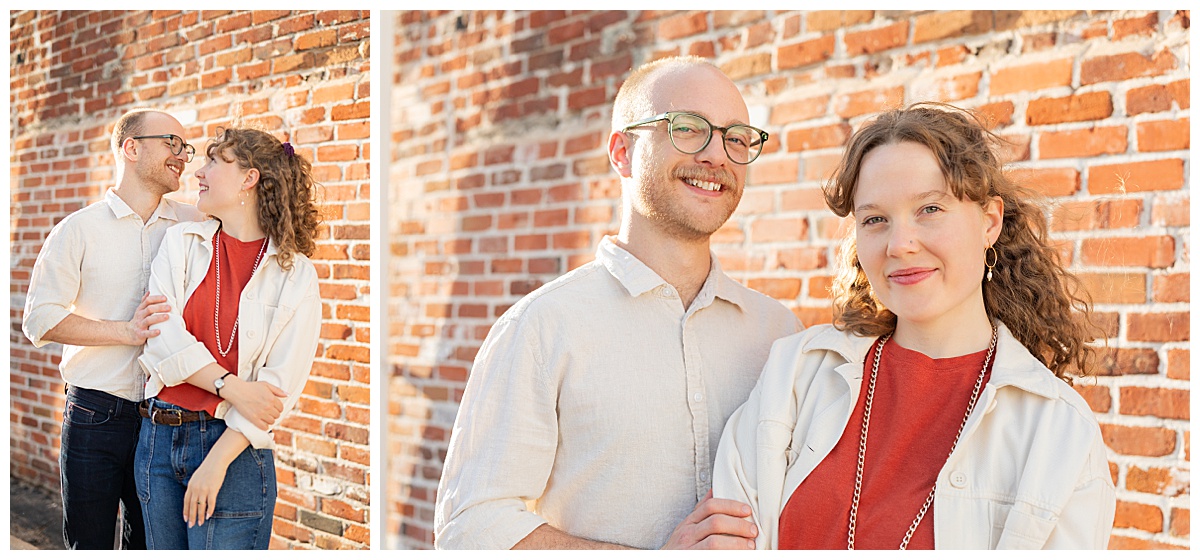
637 278
1014 365
206 229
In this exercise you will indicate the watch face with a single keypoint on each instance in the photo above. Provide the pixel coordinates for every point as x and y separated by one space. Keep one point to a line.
219 384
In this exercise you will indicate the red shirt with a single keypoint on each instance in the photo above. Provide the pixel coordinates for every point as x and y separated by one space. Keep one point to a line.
918 407
237 266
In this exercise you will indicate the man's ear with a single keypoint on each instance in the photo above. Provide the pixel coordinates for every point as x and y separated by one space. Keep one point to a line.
619 146
130 149
251 179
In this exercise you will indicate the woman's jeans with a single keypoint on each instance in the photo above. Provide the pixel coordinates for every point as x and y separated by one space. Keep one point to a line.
99 436
166 458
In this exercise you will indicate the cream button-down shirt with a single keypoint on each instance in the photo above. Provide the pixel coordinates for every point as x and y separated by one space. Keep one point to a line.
1030 470
279 321
96 263
596 405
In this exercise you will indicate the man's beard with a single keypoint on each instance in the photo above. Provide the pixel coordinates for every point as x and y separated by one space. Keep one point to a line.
661 202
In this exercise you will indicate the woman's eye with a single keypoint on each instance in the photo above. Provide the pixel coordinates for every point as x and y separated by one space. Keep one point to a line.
931 209
872 220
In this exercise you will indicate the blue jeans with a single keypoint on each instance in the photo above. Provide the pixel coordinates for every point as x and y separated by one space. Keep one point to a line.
99 436
166 458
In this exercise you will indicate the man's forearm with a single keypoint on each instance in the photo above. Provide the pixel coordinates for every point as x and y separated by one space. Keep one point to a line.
546 537
81 331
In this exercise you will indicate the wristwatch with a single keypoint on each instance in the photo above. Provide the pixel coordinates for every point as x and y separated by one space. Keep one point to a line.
219 383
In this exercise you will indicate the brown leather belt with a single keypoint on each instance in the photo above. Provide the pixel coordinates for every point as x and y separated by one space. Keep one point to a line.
171 416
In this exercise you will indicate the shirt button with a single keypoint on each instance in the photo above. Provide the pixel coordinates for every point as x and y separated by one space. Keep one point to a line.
697 397
958 479
250 295
250 334
703 477
666 292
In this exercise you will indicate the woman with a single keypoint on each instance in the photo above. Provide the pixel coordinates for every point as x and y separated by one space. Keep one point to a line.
236 349
936 412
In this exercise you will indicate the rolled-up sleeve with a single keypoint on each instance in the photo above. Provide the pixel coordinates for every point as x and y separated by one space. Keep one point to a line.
289 360
54 284
502 447
174 355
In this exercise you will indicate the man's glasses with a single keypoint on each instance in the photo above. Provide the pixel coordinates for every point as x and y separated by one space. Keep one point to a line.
691 133
178 146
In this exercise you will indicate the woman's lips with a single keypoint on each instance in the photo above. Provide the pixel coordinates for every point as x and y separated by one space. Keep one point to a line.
909 276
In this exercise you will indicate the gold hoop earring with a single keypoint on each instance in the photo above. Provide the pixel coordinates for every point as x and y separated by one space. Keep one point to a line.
994 256
242 197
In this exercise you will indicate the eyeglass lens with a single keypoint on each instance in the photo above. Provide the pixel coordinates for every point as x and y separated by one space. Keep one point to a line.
690 134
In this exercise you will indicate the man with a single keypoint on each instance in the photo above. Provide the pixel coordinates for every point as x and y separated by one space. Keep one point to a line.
89 276
594 408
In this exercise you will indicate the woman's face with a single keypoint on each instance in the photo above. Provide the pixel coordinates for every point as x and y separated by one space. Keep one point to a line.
921 248
222 181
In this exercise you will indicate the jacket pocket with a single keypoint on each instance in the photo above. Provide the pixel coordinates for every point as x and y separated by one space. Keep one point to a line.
1020 527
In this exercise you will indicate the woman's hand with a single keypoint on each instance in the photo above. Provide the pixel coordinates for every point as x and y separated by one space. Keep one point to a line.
200 501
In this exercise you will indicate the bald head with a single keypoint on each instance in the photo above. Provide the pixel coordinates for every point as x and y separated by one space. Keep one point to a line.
672 84
136 123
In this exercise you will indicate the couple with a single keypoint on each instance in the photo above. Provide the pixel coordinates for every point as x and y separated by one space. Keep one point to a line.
935 412
171 401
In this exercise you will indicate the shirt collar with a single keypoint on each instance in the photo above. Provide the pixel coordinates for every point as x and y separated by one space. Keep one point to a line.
165 209
206 229
1014 365
637 278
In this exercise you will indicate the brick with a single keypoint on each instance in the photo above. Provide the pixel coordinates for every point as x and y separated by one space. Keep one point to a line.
1136 440
1170 211
1138 176
1087 142
871 101
683 25
943 25
1158 327
1048 181
766 230
778 288
1179 364
1151 251
1143 25
1157 136
788 112
747 66
1121 67
1115 287
1160 403
827 136
804 53
876 40
1181 522
773 172
1158 97
1098 398
1075 108
829 20
1172 288
1133 515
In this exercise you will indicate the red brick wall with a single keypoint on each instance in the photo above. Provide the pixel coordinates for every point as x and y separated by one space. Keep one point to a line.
302 75
500 183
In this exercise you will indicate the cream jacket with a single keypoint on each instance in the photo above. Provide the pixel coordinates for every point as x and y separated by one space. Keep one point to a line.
1030 470
279 320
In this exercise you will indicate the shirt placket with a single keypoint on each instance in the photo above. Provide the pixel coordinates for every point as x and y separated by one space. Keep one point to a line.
697 400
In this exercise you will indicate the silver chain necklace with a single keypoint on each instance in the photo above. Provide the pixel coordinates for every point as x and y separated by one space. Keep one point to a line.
862 443
217 309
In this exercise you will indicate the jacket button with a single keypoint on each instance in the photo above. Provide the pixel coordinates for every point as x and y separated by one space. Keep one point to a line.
958 479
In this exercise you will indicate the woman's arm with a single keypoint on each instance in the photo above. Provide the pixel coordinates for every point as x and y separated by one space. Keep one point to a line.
200 500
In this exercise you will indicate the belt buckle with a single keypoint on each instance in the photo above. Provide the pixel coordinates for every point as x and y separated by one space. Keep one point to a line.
173 417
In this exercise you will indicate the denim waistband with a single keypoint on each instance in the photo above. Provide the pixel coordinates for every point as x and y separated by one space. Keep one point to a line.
103 400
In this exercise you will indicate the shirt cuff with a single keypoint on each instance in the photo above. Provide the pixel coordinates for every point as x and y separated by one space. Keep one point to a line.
38 323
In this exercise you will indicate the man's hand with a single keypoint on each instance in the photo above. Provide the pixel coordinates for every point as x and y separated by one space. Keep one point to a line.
258 401
151 311
715 524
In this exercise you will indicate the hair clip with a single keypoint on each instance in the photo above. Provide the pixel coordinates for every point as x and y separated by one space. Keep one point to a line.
288 149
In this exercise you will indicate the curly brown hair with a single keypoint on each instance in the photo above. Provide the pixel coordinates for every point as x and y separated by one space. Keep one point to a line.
286 188
1044 306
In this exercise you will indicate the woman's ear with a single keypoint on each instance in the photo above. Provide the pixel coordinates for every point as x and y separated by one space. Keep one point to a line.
251 179
993 219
